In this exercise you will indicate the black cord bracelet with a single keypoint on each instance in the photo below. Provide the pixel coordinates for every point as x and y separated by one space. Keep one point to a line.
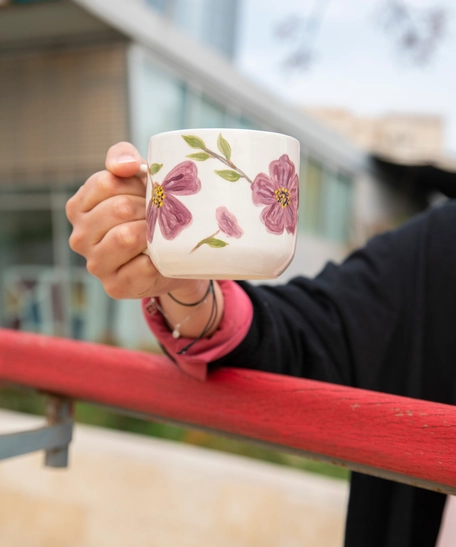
193 303
210 322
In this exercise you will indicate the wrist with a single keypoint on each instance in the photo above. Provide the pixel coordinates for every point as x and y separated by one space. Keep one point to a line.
190 291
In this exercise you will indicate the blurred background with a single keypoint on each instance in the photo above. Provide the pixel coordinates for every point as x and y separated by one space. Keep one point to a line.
368 89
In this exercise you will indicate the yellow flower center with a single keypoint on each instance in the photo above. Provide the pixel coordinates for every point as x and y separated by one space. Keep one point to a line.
158 196
282 195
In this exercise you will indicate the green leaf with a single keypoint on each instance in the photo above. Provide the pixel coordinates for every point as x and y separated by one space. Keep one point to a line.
200 156
224 147
215 243
194 141
155 168
227 174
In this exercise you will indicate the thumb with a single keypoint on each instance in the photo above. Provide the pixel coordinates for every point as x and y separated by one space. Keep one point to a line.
123 160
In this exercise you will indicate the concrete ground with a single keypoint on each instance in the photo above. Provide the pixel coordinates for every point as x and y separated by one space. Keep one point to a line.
126 490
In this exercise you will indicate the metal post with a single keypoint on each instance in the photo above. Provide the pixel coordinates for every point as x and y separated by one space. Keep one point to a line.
59 410
53 438
62 260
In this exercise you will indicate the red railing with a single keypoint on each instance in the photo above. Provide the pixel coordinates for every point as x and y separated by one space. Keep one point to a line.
398 438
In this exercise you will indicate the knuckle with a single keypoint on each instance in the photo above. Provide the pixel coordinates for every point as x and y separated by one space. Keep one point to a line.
106 181
92 267
92 181
123 208
76 240
70 209
113 289
125 236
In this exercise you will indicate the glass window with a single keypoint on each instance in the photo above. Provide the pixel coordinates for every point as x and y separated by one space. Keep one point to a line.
158 103
25 239
192 109
325 202
237 121
247 123
338 207
36 293
157 4
212 22
311 199
211 114
232 119
344 207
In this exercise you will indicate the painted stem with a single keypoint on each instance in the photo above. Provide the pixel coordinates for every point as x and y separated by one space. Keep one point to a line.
202 242
228 163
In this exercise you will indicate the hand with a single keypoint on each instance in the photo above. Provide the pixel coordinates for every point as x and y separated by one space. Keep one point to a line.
109 230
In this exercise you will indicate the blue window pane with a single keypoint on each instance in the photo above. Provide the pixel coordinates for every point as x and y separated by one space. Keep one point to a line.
211 114
247 123
231 120
158 104
345 199
157 4
311 199
212 22
325 202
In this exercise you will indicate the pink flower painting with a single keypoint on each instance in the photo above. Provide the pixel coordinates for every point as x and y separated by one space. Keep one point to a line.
279 193
228 223
171 214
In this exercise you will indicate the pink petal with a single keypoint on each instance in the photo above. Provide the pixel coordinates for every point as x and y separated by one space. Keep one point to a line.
293 189
291 211
228 223
151 219
282 172
173 217
291 218
182 180
273 218
263 190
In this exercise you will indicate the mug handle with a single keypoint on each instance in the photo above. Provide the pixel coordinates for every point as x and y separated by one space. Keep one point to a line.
142 172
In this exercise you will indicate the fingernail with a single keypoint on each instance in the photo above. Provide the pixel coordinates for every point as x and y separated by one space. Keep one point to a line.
126 158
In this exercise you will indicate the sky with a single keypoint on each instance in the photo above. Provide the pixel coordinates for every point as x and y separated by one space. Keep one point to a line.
356 65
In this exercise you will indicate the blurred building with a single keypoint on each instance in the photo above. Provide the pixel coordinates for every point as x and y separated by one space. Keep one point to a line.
399 136
212 22
80 75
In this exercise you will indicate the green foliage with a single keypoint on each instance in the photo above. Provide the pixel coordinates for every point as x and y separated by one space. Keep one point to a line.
199 156
27 400
194 141
214 242
22 400
155 168
224 147
227 174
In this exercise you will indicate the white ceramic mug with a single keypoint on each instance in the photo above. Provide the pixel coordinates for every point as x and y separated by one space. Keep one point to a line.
222 203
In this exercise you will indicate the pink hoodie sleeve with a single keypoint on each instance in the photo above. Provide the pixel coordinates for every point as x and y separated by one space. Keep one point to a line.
233 329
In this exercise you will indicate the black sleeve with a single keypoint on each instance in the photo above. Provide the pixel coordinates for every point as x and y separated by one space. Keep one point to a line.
385 319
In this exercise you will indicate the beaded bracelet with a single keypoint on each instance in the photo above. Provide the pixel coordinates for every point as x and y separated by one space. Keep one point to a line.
153 302
153 306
